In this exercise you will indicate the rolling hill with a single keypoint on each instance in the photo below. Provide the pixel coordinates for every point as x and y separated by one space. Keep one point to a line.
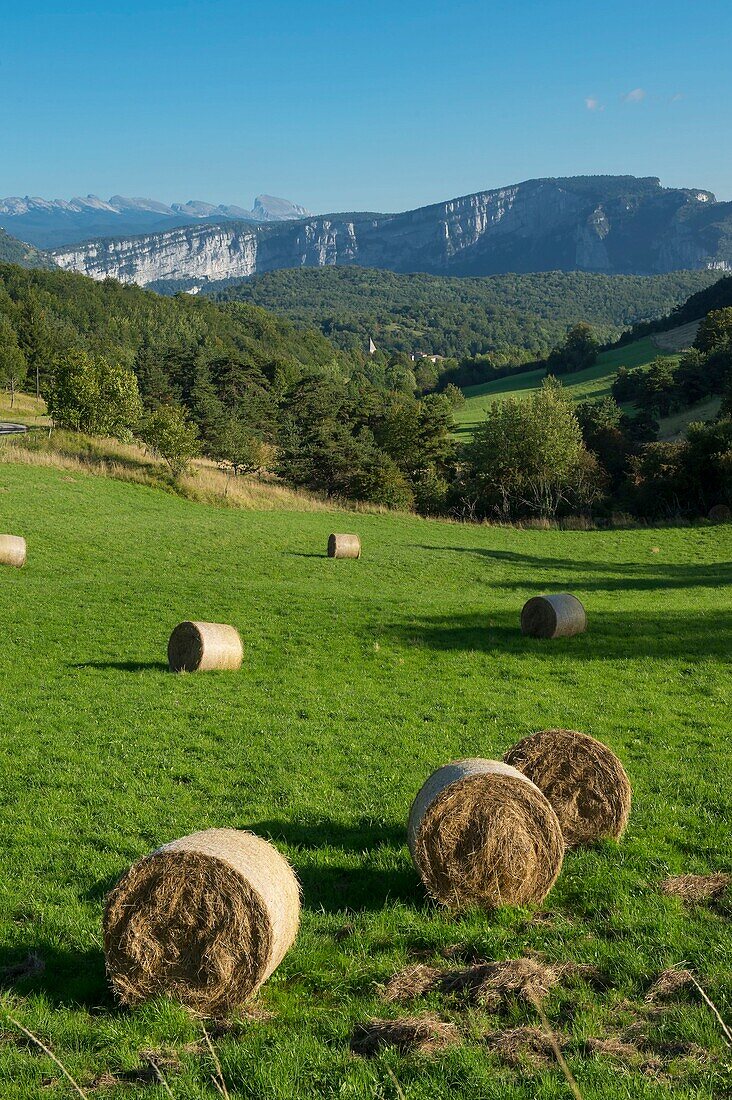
667 336
586 385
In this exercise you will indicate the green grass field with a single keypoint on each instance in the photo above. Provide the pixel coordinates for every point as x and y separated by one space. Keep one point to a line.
359 678
585 385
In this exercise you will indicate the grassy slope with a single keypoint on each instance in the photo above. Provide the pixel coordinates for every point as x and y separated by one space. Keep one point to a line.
584 385
359 678
26 409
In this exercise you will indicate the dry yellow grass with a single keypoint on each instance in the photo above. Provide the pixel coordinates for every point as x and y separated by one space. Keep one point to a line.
205 482
25 410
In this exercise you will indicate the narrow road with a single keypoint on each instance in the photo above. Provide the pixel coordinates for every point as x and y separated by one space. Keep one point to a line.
6 428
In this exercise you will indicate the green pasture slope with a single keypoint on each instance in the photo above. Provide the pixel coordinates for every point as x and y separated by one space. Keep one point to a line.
359 678
584 385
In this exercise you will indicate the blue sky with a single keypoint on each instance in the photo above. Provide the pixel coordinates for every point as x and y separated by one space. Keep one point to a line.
358 106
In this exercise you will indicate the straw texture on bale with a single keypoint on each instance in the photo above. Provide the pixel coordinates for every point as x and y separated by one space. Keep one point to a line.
558 616
205 920
582 778
344 546
481 834
204 647
12 550
720 513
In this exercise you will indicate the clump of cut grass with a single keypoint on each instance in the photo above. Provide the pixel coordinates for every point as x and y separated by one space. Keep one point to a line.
694 889
426 1034
517 1045
488 984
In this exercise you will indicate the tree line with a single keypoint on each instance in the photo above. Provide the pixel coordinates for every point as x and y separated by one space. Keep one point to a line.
253 392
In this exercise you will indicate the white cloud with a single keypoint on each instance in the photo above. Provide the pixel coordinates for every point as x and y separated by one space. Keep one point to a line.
593 104
677 97
636 96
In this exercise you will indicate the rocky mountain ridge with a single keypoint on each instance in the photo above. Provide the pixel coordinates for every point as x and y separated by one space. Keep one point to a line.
51 223
610 224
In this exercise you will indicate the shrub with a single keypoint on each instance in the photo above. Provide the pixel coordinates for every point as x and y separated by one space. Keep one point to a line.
169 434
86 393
529 457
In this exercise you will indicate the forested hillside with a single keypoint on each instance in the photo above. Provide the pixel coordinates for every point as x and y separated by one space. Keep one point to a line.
716 296
55 310
18 252
515 318
187 376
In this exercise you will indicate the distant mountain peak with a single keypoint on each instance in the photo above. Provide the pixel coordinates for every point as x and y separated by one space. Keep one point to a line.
50 223
268 208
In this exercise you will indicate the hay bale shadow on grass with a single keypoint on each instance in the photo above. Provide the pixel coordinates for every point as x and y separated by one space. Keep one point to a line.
66 978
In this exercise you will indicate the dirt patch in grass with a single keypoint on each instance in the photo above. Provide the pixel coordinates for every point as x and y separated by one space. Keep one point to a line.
426 1034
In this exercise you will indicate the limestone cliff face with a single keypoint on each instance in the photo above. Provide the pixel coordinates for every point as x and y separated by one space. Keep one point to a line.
606 224
199 253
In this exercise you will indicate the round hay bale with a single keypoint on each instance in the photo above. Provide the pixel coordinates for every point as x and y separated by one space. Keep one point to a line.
203 647
344 546
204 920
481 834
557 616
13 551
584 781
720 513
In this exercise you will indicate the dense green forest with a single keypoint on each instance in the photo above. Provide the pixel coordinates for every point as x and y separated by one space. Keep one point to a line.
53 310
514 318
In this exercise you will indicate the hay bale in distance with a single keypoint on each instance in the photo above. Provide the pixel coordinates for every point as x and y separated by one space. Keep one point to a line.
344 546
13 551
559 616
203 647
720 513
583 779
205 920
482 834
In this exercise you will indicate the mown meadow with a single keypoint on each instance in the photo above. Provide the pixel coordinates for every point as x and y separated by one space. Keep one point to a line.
359 678
585 385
